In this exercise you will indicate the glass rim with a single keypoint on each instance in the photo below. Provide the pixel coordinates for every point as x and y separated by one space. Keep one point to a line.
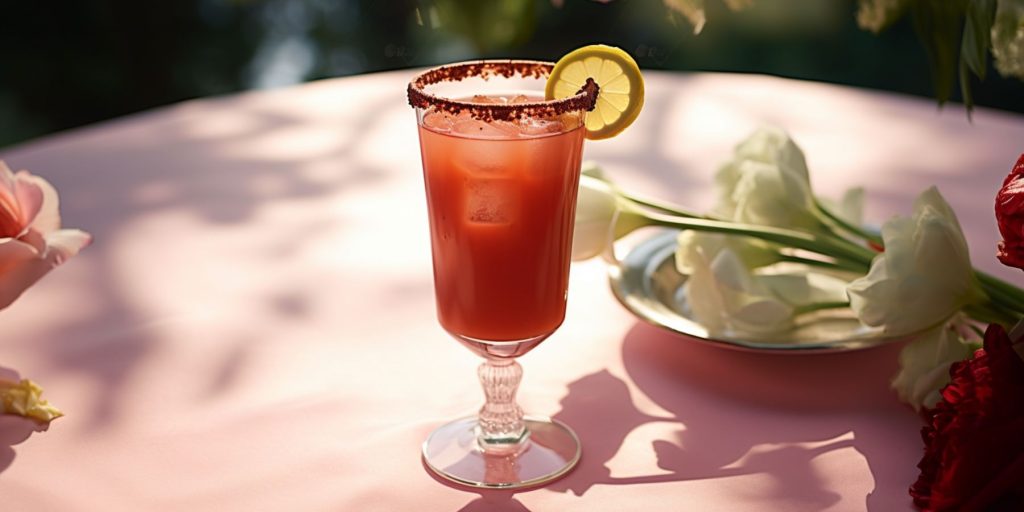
584 100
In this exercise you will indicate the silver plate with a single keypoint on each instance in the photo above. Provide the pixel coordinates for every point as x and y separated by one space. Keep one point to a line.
647 283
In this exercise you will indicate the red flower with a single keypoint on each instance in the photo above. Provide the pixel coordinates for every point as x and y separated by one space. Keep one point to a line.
1010 215
974 442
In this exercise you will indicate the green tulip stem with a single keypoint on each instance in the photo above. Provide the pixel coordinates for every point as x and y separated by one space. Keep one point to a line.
1005 304
818 306
1002 297
835 264
859 252
1001 290
846 226
661 206
825 245
991 313
1010 316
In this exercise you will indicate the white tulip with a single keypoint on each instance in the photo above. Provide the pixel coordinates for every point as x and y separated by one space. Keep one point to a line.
766 183
772 145
923 277
752 252
924 365
726 299
595 210
598 207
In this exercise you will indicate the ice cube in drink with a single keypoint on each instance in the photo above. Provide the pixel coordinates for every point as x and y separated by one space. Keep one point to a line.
501 200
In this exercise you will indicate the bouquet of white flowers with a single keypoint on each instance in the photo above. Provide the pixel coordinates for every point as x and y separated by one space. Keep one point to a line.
771 251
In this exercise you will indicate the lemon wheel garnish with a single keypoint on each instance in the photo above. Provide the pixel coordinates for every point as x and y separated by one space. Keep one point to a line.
621 92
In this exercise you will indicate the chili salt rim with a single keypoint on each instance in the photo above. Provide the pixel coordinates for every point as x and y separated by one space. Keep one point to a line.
585 99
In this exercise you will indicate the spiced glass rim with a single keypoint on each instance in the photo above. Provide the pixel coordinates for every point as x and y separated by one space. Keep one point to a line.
585 99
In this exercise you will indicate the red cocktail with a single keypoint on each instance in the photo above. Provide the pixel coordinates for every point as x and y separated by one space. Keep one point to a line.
501 170
502 197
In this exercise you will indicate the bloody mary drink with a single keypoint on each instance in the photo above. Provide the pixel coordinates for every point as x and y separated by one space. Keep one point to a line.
502 198
501 166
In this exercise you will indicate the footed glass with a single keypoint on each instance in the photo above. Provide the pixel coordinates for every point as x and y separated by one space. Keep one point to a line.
501 167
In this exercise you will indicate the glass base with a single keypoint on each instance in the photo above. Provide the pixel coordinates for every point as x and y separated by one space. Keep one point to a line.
549 451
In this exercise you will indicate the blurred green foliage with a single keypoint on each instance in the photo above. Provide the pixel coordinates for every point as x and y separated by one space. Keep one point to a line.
67 64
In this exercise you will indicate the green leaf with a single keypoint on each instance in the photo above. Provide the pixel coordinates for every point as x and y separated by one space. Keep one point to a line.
938 24
489 26
965 87
981 14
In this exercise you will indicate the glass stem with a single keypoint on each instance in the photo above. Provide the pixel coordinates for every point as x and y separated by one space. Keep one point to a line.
500 428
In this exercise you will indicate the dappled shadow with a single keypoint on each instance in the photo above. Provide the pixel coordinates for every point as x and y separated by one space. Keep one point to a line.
599 408
166 162
746 413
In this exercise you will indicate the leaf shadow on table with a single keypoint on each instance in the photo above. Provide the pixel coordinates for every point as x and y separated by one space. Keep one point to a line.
162 164
744 414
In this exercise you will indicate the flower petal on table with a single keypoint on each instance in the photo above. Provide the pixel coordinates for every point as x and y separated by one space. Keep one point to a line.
20 267
47 217
65 243
924 366
29 196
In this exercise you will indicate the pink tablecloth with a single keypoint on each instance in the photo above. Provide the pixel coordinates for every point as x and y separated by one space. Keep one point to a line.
254 327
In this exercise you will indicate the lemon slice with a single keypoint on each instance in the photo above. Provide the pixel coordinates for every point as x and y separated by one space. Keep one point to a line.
621 92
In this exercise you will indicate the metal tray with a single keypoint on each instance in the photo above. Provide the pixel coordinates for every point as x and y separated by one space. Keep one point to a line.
647 283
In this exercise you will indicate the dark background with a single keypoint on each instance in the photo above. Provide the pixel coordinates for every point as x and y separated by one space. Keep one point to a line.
69 63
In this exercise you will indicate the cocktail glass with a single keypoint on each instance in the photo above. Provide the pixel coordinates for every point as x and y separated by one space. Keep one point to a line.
501 167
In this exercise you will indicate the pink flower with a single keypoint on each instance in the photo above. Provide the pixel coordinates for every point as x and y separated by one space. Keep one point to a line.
31 241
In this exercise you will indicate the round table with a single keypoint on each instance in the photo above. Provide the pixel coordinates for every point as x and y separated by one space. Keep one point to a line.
254 328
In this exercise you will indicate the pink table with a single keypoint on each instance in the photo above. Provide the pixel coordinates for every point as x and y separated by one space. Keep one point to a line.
254 327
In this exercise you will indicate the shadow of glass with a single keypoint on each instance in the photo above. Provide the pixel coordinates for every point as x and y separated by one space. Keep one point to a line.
489 500
6 457
747 413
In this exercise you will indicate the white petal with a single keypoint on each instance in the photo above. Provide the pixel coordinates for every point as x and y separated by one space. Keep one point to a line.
923 277
19 272
703 296
29 196
851 206
595 211
924 365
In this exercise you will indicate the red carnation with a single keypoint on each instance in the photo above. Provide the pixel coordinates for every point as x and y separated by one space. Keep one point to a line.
1010 215
974 443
